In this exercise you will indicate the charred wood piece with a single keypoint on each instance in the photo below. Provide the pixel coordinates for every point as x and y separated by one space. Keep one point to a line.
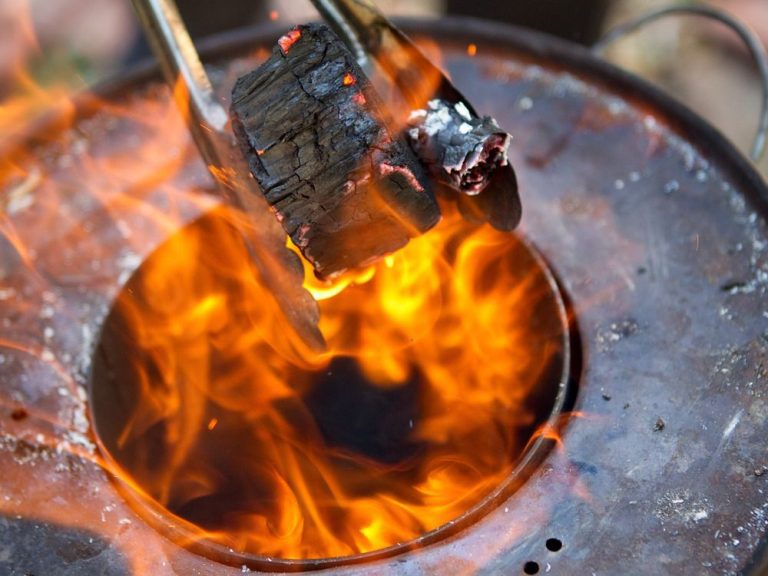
344 188
459 149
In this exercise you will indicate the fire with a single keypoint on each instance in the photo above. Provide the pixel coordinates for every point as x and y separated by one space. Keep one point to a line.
22 99
418 411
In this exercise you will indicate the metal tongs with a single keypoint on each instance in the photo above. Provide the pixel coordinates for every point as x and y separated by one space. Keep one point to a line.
382 51
279 268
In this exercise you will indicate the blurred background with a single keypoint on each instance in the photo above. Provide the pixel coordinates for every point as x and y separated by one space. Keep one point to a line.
77 42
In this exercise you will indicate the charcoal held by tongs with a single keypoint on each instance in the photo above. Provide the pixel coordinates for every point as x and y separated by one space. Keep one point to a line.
336 162
345 189
462 151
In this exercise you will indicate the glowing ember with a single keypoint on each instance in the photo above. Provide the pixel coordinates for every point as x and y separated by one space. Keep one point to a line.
407 174
359 98
471 49
289 39
348 80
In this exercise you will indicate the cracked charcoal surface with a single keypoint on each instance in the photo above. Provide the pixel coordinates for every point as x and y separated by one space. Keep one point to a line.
344 189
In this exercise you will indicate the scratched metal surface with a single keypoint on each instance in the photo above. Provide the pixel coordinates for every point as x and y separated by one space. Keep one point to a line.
657 230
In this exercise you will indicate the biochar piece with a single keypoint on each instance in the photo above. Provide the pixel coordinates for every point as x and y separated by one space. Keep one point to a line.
460 150
467 154
344 188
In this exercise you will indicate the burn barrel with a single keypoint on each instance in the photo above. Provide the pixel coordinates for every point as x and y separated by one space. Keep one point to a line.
653 224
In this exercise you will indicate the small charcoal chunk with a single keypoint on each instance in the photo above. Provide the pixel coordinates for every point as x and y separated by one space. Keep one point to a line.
344 188
460 150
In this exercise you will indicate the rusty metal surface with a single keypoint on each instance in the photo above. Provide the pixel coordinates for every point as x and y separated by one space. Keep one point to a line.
657 231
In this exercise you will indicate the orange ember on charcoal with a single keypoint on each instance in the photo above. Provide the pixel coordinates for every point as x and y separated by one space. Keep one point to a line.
359 99
289 39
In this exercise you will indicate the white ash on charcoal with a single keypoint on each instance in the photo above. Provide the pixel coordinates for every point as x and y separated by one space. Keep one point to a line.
460 150
345 189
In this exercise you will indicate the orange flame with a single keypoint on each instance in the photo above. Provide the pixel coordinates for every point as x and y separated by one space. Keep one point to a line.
23 98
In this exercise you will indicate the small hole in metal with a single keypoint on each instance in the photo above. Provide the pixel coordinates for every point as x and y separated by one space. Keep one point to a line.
19 414
553 544
531 567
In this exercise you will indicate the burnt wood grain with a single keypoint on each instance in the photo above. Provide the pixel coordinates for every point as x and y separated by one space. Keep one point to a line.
345 189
